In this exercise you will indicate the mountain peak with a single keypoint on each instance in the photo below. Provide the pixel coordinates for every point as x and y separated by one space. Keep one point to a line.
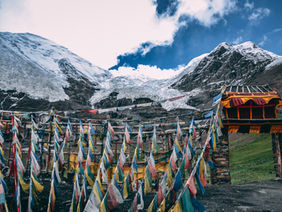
223 45
226 64
37 71
247 45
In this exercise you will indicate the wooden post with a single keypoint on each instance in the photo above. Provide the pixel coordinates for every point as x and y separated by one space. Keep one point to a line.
116 151
129 149
276 149
251 110
169 142
49 141
220 157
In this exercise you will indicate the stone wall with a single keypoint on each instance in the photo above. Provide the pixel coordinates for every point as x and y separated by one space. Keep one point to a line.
220 157
277 152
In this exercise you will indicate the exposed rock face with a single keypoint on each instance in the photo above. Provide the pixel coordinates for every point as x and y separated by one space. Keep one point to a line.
80 89
37 74
113 101
225 65
271 76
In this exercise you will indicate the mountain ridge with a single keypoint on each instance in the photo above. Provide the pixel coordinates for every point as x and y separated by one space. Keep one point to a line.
38 74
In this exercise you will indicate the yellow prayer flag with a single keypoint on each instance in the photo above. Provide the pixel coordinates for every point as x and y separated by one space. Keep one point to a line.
147 187
37 185
89 180
103 204
169 179
125 192
162 206
176 208
24 185
150 208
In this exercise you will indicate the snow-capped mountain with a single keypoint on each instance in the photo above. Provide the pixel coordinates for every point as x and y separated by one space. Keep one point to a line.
225 65
199 81
35 68
37 74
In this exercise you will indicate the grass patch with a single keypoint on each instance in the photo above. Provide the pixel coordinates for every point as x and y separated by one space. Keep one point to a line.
251 158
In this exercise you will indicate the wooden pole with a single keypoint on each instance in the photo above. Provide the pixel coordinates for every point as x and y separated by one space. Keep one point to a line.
69 151
277 153
129 149
116 151
49 140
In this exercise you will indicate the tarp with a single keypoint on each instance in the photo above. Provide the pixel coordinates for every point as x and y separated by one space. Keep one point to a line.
161 166
234 99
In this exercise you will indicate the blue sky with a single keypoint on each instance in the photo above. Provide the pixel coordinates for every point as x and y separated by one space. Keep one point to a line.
257 21
146 34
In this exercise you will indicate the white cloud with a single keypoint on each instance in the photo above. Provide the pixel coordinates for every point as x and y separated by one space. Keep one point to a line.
146 72
258 14
237 40
264 39
277 30
101 30
207 12
249 5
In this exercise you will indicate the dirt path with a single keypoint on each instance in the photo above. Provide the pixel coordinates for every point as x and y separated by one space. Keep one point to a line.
257 196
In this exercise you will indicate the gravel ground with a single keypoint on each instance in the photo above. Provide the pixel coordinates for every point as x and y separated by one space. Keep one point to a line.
256 196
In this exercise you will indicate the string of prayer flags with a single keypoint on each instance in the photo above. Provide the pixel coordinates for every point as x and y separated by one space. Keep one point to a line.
148 181
69 130
126 134
122 157
140 137
96 196
138 202
155 147
151 166
1 138
172 160
154 204
91 130
88 172
178 130
186 200
177 144
118 174
125 187
55 180
178 181
190 147
76 193
112 199
3 190
20 172
83 195
192 129
111 130
2 158
18 197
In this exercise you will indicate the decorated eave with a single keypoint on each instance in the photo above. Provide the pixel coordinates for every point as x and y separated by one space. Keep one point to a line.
238 95
251 109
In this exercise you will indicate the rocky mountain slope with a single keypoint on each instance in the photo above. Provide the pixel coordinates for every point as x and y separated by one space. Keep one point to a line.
226 65
37 74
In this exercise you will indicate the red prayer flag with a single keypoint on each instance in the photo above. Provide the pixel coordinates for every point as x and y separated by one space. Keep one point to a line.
94 111
160 195
192 186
